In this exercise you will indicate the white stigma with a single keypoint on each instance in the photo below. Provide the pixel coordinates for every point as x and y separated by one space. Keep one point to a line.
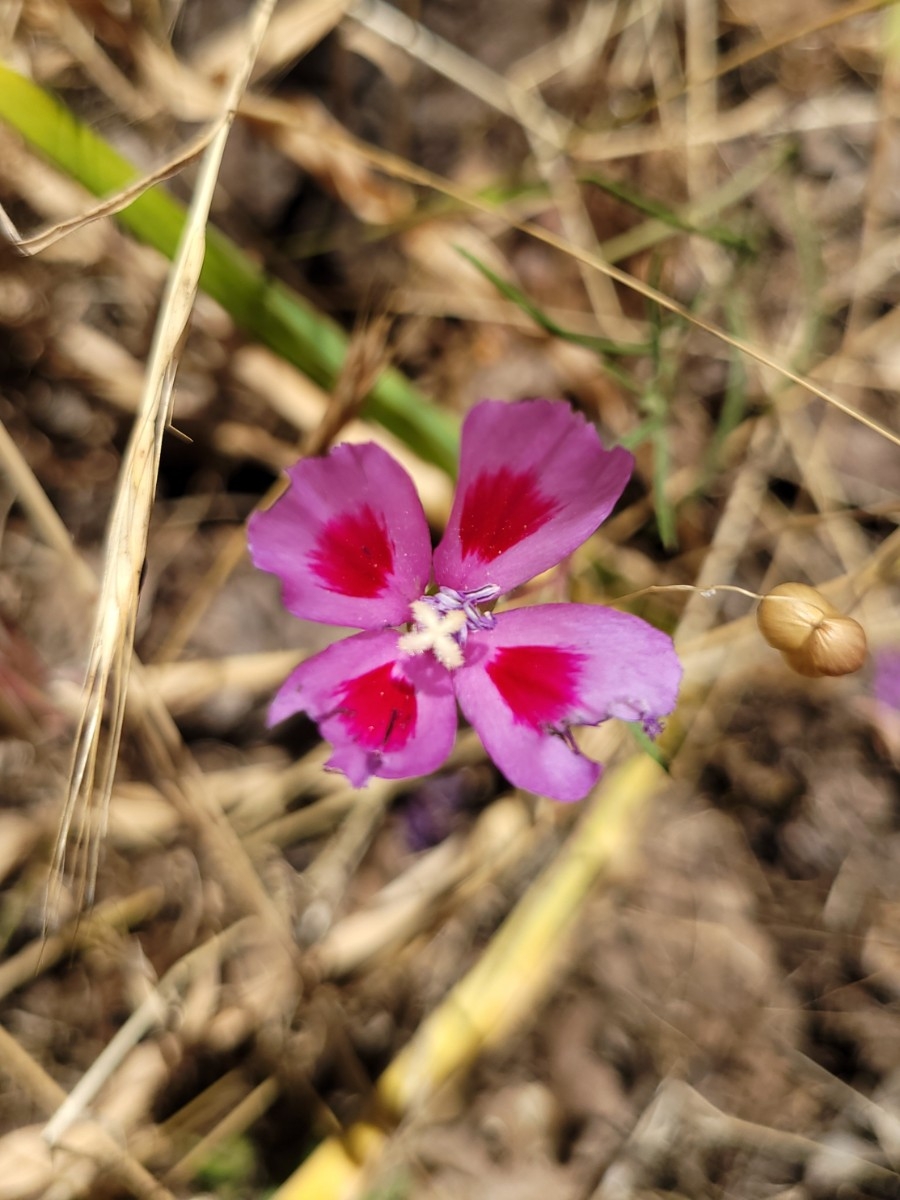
435 631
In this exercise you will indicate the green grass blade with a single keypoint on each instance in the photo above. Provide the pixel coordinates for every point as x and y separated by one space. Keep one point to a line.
658 211
268 310
603 347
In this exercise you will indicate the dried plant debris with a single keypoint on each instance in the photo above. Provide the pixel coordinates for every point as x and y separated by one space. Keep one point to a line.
677 224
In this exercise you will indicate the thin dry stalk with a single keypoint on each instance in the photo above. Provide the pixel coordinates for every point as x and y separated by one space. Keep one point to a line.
623 143
567 53
327 879
244 1114
678 1113
403 169
441 880
46 1093
795 32
74 35
545 129
505 984
182 686
161 739
313 820
454 64
153 1010
740 344
296 26
94 756
35 243
363 362
745 498
41 513
42 955
701 30
177 772
702 209
808 441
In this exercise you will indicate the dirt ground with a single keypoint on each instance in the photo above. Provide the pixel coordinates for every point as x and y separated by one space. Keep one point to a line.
448 989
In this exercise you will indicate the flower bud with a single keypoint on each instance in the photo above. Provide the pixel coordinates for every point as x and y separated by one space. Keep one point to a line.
813 636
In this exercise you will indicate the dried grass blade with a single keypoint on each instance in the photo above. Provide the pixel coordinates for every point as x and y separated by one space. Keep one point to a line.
402 169
505 984
296 27
801 29
46 1094
94 756
740 344
269 310
446 59
36 242
149 1013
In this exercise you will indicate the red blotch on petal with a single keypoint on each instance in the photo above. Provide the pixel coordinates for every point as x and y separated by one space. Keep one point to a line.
379 710
500 509
353 554
537 683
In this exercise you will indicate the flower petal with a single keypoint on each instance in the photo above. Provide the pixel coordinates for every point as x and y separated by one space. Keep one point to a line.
534 482
886 684
348 539
386 713
543 669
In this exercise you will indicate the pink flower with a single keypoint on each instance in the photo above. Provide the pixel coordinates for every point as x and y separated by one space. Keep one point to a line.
350 544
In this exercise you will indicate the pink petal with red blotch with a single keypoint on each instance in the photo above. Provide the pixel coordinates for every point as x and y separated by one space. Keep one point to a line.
348 539
542 669
385 713
534 482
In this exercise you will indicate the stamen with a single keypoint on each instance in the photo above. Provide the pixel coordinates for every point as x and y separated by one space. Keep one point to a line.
435 631
449 600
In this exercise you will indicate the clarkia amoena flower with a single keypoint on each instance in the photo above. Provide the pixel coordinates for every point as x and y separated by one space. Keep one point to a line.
350 544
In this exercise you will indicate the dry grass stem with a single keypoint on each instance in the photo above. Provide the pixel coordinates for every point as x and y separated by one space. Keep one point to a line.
37 243
94 756
241 1117
181 686
44 954
297 25
152 1012
402 169
104 1154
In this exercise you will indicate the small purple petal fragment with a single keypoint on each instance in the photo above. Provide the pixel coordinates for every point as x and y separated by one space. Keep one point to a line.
542 670
534 482
348 539
886 682
652 726
432 811
386 714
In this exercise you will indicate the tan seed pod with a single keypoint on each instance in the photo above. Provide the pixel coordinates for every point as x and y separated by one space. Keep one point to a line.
789 613
814 638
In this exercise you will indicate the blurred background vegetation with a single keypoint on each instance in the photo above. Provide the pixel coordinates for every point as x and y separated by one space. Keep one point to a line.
237 976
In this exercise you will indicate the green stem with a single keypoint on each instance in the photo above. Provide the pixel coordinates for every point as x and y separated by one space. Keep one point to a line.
270 311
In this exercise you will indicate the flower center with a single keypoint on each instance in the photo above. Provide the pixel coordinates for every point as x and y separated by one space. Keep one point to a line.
442 622
435 631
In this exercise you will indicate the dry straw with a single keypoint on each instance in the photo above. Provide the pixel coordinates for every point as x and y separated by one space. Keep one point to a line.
424 46
510 978
95 752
